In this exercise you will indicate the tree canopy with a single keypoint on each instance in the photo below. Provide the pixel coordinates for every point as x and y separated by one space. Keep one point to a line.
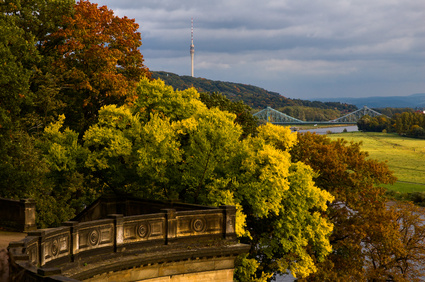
81 117
252 96
169 145
98 60
369 237
65 57
407 123
58 57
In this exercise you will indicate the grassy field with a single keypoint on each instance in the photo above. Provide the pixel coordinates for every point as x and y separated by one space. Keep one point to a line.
405 156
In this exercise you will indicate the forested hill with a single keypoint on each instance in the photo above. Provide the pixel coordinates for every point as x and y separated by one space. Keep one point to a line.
255 97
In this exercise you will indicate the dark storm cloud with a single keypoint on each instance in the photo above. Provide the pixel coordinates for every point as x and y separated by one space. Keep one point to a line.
299 48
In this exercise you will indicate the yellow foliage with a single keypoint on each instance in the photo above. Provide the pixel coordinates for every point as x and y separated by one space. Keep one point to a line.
170 145
279 136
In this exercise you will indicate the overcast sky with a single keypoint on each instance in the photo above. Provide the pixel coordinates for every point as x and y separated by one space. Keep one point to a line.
302 49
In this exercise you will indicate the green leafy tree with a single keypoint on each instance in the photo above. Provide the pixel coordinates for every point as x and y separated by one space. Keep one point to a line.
407 123
243 113
22 169
65 193
33 20
170 145
17 51
59 57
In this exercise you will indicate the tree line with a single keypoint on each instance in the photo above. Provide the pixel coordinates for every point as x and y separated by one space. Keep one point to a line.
80 116
411 124
255 97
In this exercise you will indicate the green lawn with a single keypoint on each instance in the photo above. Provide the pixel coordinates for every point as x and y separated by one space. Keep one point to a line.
405 156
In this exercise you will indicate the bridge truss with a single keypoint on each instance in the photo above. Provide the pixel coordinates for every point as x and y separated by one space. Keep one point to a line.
357 115
276 117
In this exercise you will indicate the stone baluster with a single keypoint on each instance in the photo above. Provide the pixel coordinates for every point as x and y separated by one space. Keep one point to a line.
229 222
29 212
41 254
170 225
118 232
74 240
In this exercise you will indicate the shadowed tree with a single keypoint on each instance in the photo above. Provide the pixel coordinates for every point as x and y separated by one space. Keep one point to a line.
242 111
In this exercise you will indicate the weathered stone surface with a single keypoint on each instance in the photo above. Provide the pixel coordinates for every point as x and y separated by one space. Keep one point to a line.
207 269
181 243
17 215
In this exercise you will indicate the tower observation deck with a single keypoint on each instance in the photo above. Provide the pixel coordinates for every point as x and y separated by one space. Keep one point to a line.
192 48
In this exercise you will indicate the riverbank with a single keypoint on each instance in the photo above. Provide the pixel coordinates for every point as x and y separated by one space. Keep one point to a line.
335 129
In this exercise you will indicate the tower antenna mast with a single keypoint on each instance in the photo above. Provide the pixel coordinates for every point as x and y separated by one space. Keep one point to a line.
192 47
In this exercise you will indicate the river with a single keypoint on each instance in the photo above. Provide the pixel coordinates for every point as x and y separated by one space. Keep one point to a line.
338 129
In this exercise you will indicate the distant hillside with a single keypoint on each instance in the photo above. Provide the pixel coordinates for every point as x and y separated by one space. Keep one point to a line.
255 97
411 101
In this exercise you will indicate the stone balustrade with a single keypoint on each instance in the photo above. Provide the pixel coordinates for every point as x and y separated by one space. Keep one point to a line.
54 251
17 215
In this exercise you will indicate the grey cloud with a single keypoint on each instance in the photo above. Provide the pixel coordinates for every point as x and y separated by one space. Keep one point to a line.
302 48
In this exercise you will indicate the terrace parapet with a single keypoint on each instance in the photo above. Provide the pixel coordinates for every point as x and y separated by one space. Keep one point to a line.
97 242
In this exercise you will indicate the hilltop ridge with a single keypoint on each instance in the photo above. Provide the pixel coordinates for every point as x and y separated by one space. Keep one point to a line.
255 97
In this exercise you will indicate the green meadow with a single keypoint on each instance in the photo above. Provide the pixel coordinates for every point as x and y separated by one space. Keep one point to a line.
405 156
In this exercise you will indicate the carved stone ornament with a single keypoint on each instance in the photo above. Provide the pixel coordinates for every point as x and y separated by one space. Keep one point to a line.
55 247
143 230
198 224
94 237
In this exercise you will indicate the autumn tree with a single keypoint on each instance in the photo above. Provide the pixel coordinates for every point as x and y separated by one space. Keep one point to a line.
344 171
98 61
58 57
396 250
83 57
367 241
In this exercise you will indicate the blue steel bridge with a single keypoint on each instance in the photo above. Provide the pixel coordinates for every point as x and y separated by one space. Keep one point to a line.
276 117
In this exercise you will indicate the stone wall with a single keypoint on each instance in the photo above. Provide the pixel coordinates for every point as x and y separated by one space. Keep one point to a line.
17 215
196 270
85 249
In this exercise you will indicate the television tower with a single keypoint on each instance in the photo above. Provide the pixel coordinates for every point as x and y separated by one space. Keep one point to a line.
192 48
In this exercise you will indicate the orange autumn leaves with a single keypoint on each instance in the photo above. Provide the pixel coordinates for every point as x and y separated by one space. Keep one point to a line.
98 58
372 240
